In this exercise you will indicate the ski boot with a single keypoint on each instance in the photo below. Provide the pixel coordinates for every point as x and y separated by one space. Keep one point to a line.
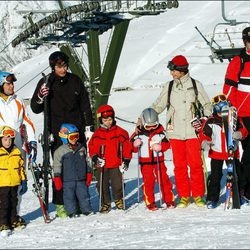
5 230
152 207
60 211
20 223
119 204
74 215
183 202
170 204
199 201
106 208
212 204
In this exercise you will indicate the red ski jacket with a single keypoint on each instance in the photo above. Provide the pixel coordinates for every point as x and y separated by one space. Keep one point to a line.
116 145
147 155
237 83
212 131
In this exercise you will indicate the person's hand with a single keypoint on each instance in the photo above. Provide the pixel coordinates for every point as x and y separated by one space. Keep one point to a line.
99 162
24 187
42 93
88 133
124 166
137 143
32 146
58 182
156 147
237 135
88 179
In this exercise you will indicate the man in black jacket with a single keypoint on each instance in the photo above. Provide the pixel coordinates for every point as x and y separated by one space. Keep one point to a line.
68 103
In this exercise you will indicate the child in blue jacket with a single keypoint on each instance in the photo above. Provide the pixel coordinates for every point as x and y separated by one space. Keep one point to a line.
71 171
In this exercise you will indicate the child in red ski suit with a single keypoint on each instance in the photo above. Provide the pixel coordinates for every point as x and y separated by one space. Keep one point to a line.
111 151
213 137
151 140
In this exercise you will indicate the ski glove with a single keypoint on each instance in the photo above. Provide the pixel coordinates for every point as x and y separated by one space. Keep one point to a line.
58 183
43 92
197 123
124 166
137 143
24 187
88 132
156 147
88 179
99 162
237 135
32 150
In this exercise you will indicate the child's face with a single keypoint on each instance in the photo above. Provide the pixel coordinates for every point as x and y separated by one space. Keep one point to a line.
6 141
107 122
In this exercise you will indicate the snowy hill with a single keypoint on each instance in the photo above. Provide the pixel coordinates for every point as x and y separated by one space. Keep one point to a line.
151 42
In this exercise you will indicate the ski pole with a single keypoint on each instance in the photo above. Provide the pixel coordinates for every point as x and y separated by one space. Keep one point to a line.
138 176
159 176
102 149
123 189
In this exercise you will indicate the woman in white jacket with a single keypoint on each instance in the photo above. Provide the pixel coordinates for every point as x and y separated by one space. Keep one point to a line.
186 148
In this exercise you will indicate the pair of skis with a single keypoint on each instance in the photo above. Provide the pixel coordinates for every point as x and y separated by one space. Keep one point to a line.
229 118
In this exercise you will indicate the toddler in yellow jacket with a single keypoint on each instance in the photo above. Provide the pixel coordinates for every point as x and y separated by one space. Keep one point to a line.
12 175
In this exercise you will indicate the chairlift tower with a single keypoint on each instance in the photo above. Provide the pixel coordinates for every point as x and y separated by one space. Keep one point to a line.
70 27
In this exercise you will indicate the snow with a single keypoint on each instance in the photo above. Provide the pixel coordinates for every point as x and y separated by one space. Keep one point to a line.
151 42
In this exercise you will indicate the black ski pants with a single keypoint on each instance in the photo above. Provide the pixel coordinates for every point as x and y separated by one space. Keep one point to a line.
245 159
214 179
8 205
110 177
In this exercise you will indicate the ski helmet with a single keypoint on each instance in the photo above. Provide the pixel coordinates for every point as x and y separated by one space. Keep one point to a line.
179 63
6 131
105 111
246 34
6 77
149 118
58 58
68 132
219 102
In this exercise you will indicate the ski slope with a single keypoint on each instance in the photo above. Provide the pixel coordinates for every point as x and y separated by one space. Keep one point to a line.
151 42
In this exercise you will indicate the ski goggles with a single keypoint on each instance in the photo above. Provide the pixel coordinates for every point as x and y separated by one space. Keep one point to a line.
171 66
73 136
219 98
10 78
106 114
8 133
151 126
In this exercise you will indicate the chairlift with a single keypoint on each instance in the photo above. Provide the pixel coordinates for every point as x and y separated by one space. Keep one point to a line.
222 52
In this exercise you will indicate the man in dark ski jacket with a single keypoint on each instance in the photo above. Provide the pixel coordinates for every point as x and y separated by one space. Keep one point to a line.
68 103
237 89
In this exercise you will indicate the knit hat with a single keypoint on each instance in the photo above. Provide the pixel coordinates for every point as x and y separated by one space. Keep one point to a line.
179 63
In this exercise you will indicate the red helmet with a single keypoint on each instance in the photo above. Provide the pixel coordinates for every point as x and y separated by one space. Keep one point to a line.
105 111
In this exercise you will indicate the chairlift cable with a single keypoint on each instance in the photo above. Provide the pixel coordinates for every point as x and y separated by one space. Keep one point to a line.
118 118
31 79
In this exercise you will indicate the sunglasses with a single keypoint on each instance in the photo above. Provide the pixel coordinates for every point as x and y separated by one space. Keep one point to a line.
8 133
10 78
219 98
150 127
73 136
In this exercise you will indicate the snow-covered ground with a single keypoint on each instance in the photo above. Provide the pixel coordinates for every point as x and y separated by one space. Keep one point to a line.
151 42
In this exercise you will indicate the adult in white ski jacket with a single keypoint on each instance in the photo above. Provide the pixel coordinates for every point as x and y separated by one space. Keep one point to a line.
184 143
12 110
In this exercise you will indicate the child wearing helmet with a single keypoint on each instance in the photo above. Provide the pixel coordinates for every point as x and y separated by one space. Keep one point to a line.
71 172
152 143
110 151
12 174
212 136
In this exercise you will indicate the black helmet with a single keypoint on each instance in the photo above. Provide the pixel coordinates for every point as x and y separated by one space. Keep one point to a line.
246 34
58 57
